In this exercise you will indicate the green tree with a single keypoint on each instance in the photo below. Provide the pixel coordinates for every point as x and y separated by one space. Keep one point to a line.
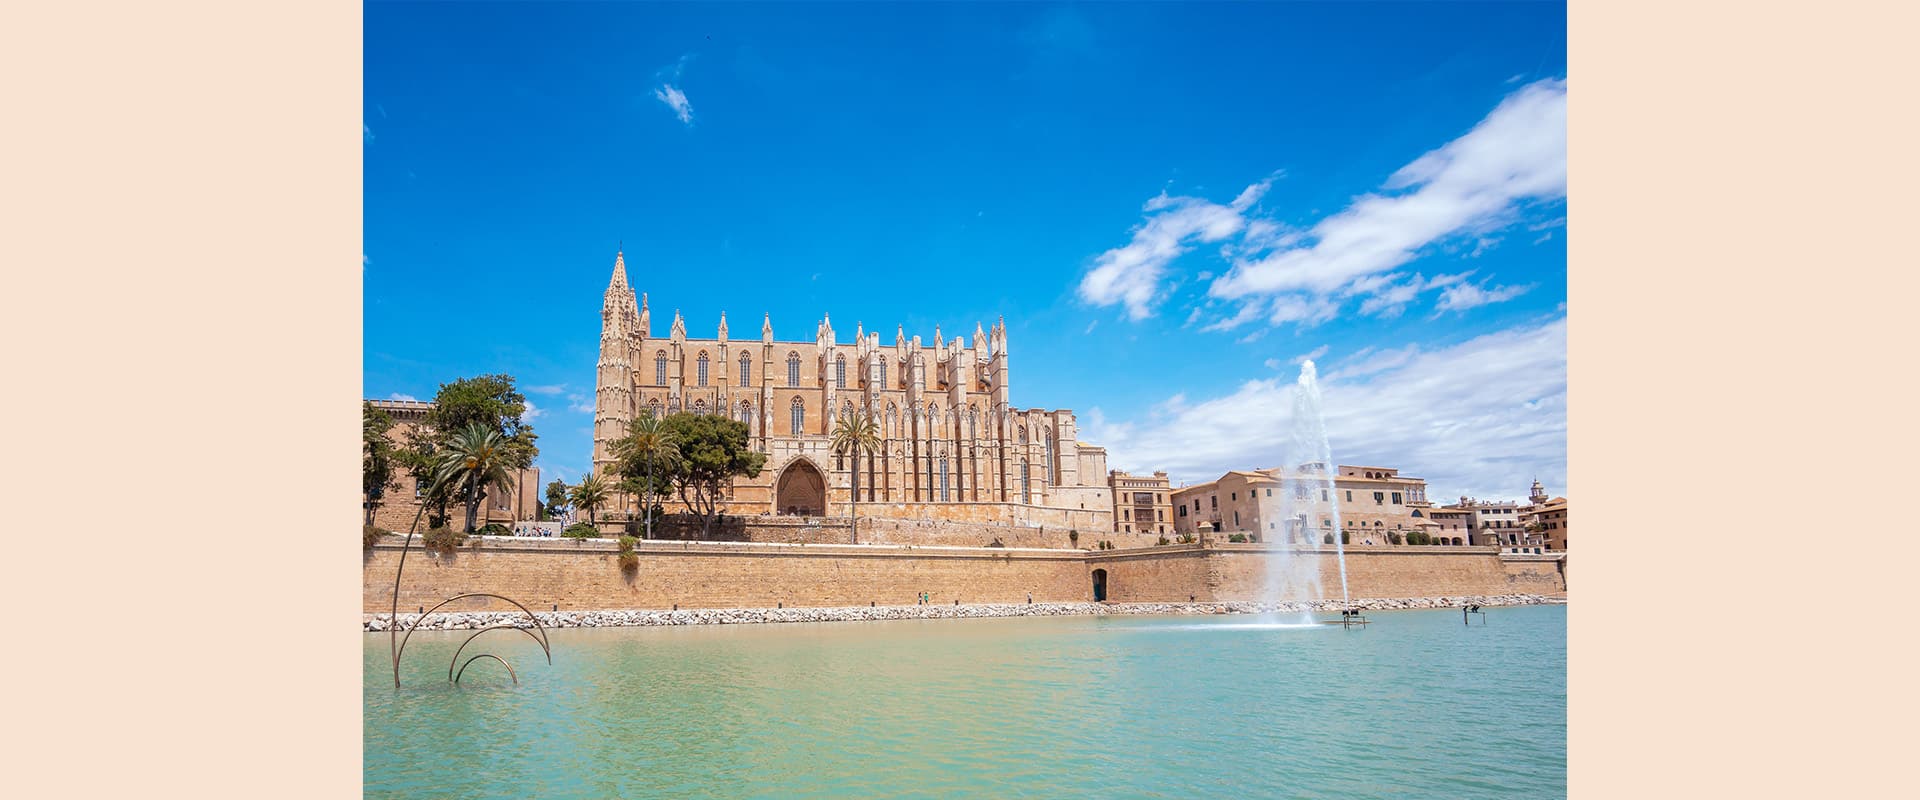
645 459
490 401
713 451
556 497
854 434
589 496
377 457
475 459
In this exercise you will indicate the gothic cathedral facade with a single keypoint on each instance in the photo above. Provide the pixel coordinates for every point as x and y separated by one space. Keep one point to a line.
953 445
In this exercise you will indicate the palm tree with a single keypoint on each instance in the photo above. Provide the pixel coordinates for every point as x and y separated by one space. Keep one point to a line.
854 434
475 458
590 494
648 441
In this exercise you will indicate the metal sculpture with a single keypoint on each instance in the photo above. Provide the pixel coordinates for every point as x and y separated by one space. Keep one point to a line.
393 626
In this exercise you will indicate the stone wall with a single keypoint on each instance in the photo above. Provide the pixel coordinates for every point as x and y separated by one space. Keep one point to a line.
582 574
883 530
577 574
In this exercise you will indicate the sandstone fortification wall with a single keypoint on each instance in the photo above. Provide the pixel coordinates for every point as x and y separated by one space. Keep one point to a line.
585 574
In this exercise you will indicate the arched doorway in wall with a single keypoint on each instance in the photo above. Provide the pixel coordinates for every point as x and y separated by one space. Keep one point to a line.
801 490
1099 586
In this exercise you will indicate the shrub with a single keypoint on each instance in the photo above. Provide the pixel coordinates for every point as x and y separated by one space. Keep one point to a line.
495 529
1239 538
1163 541
1185 538
1419 537
1327 539
1253 537
1393 538
442 539
371 535
1074 537
581 530
629 560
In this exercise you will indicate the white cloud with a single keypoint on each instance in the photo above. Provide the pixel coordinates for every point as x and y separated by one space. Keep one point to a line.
407 397
1317 353
1477 418
551 388
1467 295
1131 274
676 100
532 413
1458 195
1470 185
366 132
580 404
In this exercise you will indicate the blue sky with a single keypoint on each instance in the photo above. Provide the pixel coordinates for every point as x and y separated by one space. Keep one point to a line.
1171 205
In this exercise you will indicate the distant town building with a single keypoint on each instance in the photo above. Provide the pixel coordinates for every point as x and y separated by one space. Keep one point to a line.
1141 503
1548 517
401 500
1370 501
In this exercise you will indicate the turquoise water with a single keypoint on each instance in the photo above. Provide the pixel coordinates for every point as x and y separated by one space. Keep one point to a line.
1416 705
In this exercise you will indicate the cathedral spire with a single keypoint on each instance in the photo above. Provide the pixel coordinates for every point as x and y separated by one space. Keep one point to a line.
619 282
766 328
723 326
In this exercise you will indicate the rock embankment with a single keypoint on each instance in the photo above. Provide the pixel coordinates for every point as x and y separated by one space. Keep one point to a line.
472 620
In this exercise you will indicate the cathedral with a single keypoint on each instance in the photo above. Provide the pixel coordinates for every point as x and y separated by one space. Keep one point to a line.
954 447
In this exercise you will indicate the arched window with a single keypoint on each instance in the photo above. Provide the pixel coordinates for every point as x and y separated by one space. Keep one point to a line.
700 407
840 372
793 369
846 409
943 479
1025 495
799 413
973 422
653 408
702 368
1053 466
883 372
1023 434
893 419
746 370
746 414
660 368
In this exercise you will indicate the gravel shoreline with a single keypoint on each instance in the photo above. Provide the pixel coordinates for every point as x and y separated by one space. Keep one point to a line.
472 620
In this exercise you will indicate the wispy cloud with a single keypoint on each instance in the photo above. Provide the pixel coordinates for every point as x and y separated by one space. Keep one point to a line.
533 412
1477 418
1467 190
580 404
366 131
1471 185
668 92
1468 295
551 388
1131 274
1316 353
406 397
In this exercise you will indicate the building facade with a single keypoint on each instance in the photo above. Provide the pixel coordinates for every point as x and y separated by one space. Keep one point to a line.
1142 503
953 444
1547 517
1367 501
401 501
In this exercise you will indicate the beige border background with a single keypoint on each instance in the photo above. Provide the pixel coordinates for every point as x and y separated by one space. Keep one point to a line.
186 181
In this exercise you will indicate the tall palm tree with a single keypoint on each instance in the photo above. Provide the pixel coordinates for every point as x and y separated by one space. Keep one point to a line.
854 434
590 494
475 458
648 443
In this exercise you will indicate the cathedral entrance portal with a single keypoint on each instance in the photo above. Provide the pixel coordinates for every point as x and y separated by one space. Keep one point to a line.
802 491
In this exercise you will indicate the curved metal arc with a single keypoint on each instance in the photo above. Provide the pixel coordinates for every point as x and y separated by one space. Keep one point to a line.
423 617
501 626
477 657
